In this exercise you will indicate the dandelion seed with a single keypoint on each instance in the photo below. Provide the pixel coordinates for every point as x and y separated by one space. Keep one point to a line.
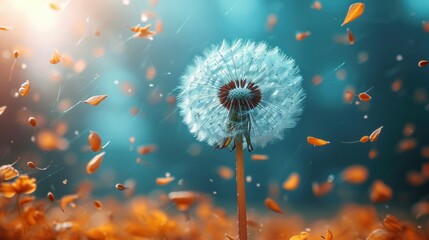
242 94
120 187
32 121
374 135
51 196
423 63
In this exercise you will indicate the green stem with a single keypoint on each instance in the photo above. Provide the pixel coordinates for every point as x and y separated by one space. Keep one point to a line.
241 190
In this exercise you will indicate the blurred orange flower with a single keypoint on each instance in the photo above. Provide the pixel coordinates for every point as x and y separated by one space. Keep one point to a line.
23 184
7 172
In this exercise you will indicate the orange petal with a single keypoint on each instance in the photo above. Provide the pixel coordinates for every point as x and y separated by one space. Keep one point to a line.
272 205
355 11
2 109
423 63
364 139
5 28
94 141
68 200
95 100
95 163
150 73
98 204
380 192
317 141
374 135
271 21
143 150
56 57
316 5
364 97
329 235
259 157
164 180
292 182
54 7
322 189
302 35
8 172
392 224
24 89
350 37
225 172
355 174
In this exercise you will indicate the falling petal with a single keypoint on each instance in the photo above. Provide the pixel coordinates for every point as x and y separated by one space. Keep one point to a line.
143 150
292 182
322 189
316 5
271 21
95 100
316 141
5 28
55 7
94 141
380 192
98 204
24 89
272 205
302 35
374 135
364 97
68 200
225 172
56 57
95 163
355 174
2 109
350 37
259 157
164 180
355 11
329 235
16 54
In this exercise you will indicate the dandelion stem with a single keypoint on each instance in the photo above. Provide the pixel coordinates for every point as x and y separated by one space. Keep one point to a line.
241 191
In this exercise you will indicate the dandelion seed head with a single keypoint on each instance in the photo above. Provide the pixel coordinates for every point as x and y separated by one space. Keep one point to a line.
242 89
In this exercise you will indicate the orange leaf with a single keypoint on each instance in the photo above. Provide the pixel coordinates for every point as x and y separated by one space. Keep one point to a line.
95 100
317 141
355 11
374 135
272 205
95 163
259 157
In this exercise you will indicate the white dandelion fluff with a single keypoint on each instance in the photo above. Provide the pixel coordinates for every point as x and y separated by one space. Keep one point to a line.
245 90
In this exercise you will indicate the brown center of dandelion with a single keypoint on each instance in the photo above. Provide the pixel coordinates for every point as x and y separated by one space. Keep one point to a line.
240 94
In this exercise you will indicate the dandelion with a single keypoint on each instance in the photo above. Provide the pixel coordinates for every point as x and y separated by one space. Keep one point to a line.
242 94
